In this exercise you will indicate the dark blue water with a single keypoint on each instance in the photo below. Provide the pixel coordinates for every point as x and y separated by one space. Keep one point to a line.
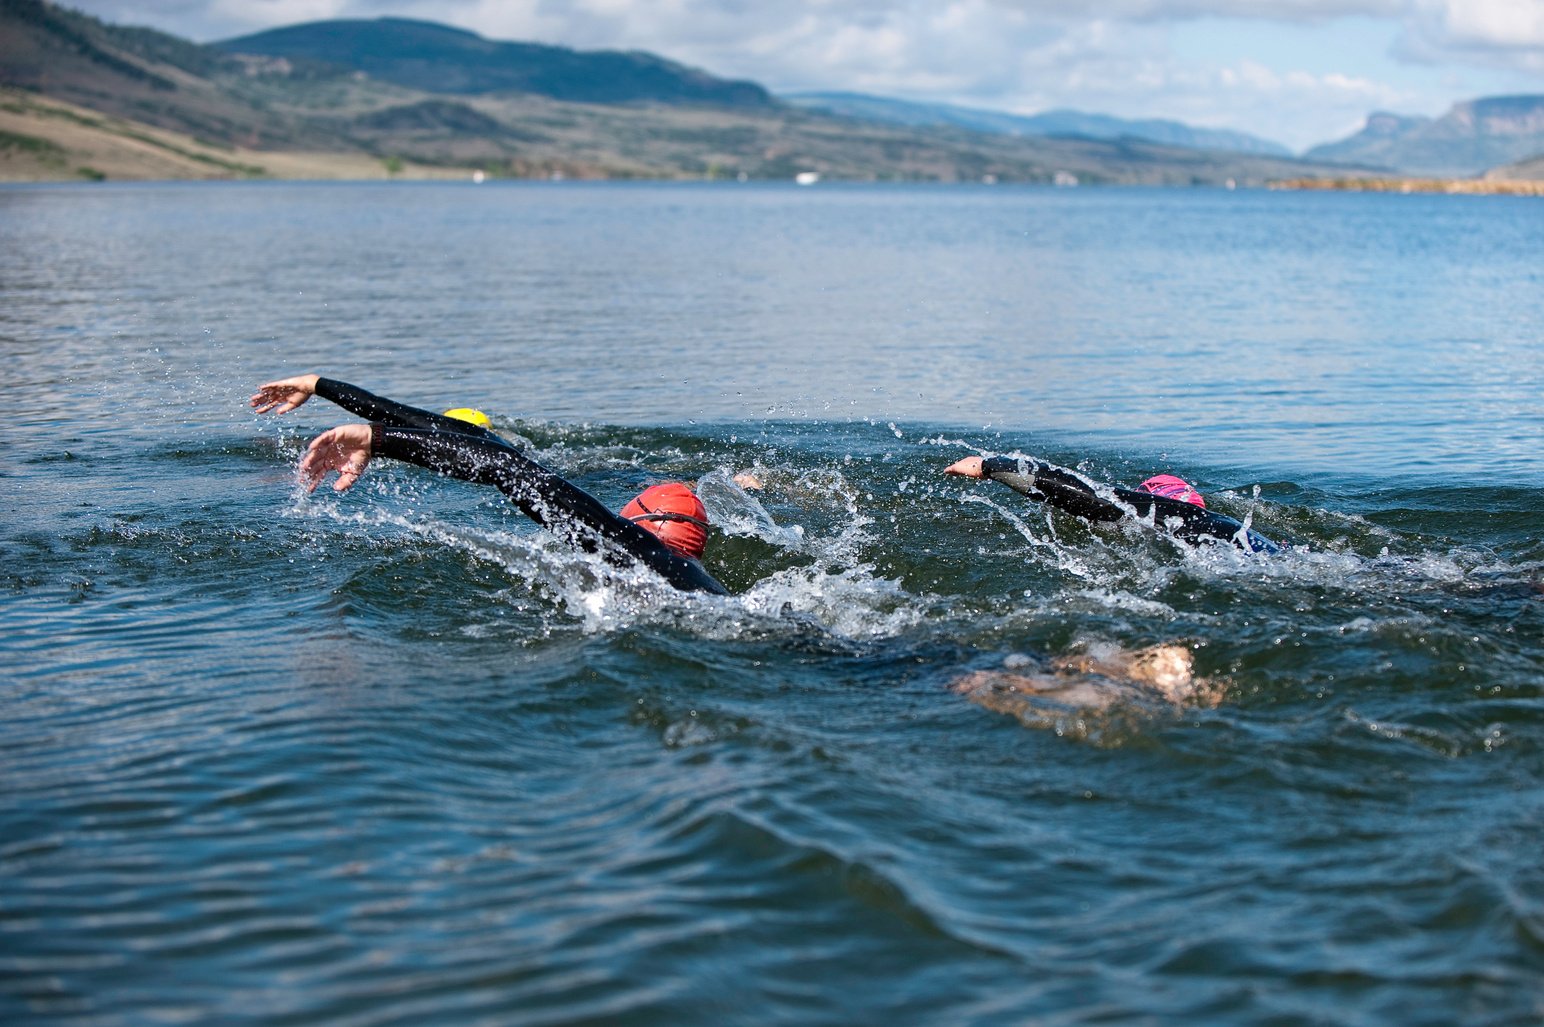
397 757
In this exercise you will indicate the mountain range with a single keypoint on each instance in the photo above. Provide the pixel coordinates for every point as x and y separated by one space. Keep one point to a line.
1055 123
356 98
1472 137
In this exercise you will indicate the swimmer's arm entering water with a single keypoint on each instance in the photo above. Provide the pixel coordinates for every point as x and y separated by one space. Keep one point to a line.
1046 483
556 504
286 394
1067 490
1195 523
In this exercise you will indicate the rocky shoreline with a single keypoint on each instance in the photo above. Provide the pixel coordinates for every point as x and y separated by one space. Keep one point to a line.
1453 186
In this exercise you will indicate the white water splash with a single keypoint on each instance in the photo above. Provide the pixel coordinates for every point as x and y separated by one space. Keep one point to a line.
837 593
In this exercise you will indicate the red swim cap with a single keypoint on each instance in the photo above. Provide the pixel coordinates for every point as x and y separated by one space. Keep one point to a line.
1172 488
674 513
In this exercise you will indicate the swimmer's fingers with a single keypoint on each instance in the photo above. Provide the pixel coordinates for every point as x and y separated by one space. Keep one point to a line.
276 402
313 465
970 467
284 395
748 481
344 449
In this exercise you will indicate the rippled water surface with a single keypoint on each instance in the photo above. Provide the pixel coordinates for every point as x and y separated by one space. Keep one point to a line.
397 757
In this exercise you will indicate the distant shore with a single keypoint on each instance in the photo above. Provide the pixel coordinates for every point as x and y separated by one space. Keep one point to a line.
1455 186
48 140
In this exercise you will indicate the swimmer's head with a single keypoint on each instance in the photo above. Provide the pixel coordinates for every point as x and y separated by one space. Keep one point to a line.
673 513
1170 487
470 416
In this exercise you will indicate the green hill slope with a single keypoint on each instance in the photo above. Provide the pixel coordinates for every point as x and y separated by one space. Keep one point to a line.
440 59
139 74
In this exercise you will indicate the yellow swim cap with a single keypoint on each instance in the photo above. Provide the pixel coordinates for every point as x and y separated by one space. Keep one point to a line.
470 416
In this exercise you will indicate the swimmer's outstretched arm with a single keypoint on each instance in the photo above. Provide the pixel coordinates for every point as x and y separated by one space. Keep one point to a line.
556 504
1067 490
284 395
1047 483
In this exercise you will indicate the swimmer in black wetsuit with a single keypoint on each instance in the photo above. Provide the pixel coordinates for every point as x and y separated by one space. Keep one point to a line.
1170 501
665 528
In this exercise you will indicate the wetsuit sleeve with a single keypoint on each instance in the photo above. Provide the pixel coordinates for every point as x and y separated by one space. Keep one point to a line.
393 414
1195 523
1067 490
549 500
1056 486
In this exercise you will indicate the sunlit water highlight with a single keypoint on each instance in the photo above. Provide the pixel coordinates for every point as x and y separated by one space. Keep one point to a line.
395 756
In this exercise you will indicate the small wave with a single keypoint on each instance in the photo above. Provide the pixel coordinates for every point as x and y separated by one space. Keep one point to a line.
832 594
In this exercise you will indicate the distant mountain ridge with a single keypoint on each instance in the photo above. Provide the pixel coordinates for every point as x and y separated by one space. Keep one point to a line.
1472 137
441 59
1530 170
83 98
1050 124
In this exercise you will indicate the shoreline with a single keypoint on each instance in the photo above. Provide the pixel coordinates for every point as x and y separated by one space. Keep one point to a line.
48 140
1397 184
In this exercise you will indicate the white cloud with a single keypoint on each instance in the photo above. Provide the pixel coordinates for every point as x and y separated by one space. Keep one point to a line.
1182 10
1130 77
259 14
1499 23
1505 33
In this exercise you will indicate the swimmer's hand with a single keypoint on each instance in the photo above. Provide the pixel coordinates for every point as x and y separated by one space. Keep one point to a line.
748 481
970 467
345 449
284 395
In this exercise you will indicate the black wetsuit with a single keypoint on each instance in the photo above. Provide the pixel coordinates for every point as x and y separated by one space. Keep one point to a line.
475 454
1070 491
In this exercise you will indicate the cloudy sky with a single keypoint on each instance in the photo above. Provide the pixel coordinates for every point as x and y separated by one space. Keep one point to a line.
1297 71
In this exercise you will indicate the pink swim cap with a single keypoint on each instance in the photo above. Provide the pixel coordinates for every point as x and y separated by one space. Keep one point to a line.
1170 487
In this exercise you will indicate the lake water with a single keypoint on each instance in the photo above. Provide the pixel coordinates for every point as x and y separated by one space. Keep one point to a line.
397 757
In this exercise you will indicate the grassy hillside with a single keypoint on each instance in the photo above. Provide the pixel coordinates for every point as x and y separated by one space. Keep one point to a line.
440 59
136 74
44 140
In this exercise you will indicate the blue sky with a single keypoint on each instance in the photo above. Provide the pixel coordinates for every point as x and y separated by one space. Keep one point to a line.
1299 72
